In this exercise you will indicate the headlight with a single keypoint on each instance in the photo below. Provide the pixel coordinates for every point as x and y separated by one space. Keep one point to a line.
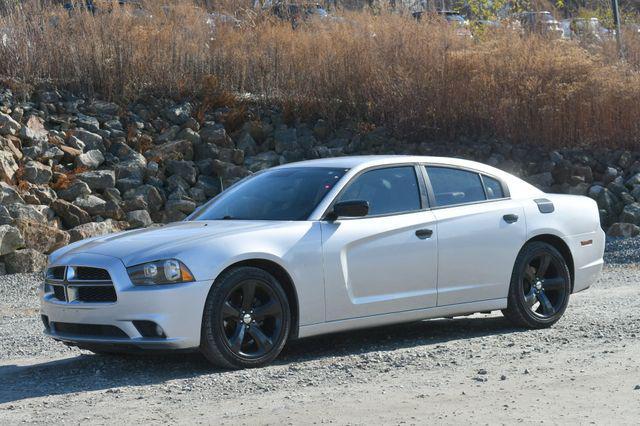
168 271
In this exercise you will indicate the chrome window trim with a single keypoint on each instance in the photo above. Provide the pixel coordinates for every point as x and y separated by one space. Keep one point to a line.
432 199
424 200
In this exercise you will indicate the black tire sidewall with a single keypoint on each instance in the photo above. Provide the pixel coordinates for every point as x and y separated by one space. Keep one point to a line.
213 343
516 296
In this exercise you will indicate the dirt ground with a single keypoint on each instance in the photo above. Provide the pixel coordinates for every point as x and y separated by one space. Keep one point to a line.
479 369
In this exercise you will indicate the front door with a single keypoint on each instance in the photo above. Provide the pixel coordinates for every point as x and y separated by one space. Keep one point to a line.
386 261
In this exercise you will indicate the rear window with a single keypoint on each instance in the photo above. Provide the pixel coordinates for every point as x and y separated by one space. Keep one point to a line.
492 187
455 186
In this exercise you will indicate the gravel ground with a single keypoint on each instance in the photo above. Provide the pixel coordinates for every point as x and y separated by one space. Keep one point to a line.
584 369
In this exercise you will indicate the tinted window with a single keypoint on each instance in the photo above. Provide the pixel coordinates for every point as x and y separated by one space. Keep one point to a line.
389 190
493 187
278 194
455 186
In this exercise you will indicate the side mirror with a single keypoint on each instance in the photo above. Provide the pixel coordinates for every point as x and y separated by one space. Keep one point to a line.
352 208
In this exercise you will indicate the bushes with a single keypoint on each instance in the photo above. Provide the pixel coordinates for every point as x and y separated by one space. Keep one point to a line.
420 79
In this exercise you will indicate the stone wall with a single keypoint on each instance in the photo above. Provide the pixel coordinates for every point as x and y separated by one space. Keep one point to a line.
72 168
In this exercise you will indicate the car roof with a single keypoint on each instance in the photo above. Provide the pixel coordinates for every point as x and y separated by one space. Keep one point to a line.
365 161
360 162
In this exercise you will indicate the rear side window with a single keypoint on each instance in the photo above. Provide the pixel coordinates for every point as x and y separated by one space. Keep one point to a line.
492 187
455 186
389 190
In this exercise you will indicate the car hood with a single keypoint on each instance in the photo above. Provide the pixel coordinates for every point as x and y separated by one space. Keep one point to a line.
142 245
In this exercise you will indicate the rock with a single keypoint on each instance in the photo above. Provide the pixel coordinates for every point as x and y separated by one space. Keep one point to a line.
126 184
285 140
41 237
98 179
9 194
25 211
139 219
37 173
262 161
216 134
5 217
91 204
3 269
175 150
104 108
149 194
189 135
541 180
631 214
45 195
87 122
210 185
90 160
96 229
77 189
10 239
69 153
8 167
52 153
76 143
624 230
633 181
247 144
34 131
8 126
91 140
179 114
183 206
25 261
70 214
185 169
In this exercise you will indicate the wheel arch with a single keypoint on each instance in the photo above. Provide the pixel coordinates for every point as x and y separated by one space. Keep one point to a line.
559 244
284 278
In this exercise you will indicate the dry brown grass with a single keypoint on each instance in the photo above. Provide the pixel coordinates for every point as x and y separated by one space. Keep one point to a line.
419 79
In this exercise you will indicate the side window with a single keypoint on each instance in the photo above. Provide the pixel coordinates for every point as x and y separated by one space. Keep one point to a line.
492 187
455 186
388 190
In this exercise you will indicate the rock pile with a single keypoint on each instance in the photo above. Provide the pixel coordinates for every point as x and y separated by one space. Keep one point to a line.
72 168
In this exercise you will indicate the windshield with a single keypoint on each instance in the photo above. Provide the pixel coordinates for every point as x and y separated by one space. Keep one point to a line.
290 193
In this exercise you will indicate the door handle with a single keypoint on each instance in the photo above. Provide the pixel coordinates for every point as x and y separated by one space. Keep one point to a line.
510 218
423 234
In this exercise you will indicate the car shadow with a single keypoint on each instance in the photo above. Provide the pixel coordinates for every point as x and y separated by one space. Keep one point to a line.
89 372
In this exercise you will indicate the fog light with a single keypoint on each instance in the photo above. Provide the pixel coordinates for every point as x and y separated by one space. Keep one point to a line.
149 329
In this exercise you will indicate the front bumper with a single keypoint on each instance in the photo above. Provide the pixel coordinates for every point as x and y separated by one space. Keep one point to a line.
176 309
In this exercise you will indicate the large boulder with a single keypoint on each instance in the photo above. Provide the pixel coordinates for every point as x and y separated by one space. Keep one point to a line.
139 219
624 230
8 167
9 194
90 159
179 114
185 169
149 194
10 239
90 140
286 139
631 214
25 261
98 179
76 189
96 229
37 173
8 126
216 134
91 204
70 214
41 237
26 211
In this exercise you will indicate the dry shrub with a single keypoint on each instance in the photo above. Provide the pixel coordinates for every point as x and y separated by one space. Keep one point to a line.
418 78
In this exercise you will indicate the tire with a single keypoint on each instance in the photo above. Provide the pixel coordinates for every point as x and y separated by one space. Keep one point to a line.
241 328
540 287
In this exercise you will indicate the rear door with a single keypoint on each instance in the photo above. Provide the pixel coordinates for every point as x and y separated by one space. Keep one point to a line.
387 261
480 232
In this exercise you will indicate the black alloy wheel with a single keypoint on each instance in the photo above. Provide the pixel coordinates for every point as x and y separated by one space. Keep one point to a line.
246 319
540 286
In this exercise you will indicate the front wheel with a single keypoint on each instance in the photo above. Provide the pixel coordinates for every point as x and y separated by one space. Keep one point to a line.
540 287
246 319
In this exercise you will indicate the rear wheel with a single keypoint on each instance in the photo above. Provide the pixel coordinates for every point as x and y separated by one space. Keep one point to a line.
540 286
246 319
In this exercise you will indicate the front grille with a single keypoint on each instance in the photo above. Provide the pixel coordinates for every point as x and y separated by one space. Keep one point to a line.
58 292
84 273
88 329
104 293
81 284
56 273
